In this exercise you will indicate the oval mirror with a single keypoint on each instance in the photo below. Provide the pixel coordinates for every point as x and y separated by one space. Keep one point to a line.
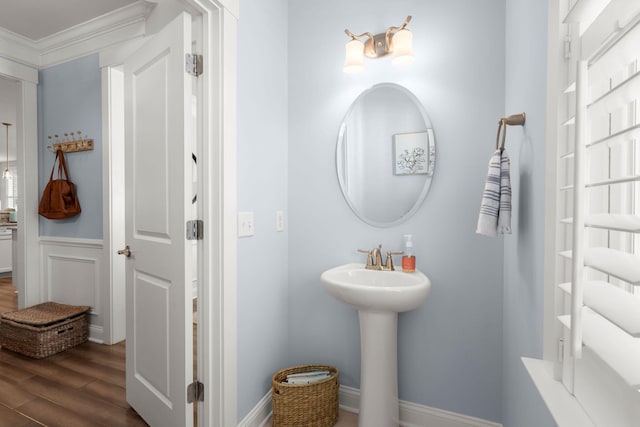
385 155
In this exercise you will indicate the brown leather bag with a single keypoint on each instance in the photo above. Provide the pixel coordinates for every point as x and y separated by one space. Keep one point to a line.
59 198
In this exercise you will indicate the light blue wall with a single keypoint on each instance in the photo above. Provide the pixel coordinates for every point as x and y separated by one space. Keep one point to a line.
262 188
455 353
69 100
526 70
450 350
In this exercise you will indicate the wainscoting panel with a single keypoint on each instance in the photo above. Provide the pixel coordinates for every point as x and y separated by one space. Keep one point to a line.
71 271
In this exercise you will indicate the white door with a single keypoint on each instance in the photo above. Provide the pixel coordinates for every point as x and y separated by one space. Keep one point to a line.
158 198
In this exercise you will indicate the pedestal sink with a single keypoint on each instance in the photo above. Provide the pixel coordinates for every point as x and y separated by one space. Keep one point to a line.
378 296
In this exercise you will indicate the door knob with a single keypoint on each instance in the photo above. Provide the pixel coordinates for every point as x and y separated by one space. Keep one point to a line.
126 251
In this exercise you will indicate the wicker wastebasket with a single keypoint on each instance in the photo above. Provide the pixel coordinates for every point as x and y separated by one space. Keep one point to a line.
44 329
308 405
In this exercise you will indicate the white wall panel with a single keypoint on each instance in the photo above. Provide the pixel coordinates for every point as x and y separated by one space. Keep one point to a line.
71 274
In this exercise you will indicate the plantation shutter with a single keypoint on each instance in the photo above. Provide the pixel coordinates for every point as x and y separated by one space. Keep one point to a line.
599 209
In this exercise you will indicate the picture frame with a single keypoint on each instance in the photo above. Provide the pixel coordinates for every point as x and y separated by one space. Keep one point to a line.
412 153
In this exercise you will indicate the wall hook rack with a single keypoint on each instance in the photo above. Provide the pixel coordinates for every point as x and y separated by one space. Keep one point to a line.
512 120
70 143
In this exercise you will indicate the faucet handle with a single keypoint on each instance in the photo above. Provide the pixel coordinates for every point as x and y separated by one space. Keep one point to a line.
369 257
389 263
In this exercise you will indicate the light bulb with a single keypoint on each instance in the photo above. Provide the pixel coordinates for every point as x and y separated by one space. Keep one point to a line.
6 174
402 48
354 58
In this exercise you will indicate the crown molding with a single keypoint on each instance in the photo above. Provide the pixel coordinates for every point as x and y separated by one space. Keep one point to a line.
13 70
18 48
110 29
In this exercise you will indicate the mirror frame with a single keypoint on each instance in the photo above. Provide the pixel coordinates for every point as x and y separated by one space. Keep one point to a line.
340 155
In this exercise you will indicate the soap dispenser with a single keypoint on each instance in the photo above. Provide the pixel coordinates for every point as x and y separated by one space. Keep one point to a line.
408 258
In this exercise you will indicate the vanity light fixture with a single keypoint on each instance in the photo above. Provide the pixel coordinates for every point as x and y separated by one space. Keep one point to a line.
7 173
396 40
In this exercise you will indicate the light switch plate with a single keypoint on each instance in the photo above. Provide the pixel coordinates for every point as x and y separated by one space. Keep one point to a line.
245 224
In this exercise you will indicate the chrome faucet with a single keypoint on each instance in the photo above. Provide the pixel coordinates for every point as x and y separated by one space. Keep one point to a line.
374 259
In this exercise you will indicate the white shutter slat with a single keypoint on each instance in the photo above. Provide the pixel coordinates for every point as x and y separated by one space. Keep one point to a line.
565 319
570 89
565 254
612 181
620 94
570 121
599 36
629 134
619 350
584 11
616 222
617 305
621 265
616 348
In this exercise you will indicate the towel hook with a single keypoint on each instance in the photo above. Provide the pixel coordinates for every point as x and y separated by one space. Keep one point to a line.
515 119
500 124
512 120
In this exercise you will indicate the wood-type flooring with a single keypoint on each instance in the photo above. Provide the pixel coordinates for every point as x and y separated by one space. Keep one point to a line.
83 386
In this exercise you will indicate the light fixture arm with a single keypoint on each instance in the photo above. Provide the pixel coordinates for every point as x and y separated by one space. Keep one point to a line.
391 30
358 37
369 46
401 27
406 22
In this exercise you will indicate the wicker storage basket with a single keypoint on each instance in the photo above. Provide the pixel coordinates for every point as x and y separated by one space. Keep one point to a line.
308 405
44 329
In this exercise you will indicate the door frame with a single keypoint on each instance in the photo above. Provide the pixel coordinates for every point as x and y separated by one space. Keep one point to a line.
217 252
26 263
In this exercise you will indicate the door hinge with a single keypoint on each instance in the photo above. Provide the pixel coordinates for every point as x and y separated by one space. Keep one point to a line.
195 229
195 392
193 64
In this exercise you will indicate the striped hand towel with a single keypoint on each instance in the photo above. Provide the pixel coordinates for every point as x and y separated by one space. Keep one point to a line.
504 213
495 210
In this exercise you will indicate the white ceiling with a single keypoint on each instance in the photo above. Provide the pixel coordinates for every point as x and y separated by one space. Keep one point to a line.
37 19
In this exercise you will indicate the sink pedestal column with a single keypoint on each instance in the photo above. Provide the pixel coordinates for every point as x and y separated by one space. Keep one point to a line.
378 369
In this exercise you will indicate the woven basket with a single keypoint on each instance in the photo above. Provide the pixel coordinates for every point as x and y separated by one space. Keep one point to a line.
308 405
44 329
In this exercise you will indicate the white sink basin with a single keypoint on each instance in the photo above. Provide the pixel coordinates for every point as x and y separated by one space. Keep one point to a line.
376 290
378 296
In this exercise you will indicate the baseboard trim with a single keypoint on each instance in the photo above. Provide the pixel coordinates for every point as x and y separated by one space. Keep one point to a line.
349 398
260 414
96 334
415 415
411 414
